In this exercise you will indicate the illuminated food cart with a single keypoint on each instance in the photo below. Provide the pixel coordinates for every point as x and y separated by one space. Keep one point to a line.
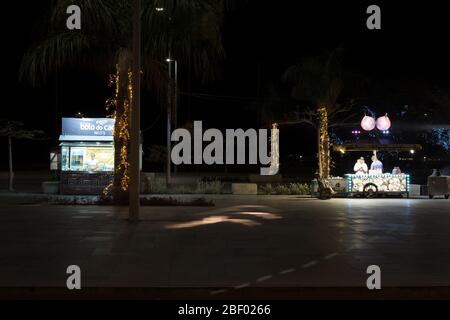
371 184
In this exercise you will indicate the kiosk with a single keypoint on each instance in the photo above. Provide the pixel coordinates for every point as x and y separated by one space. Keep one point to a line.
87 155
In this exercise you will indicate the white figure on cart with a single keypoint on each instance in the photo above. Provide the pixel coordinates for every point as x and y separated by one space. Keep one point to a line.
360 166
376 168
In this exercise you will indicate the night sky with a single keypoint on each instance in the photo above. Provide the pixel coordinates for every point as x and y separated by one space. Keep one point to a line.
262 39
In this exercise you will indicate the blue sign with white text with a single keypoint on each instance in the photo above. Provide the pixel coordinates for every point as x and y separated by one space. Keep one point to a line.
88 126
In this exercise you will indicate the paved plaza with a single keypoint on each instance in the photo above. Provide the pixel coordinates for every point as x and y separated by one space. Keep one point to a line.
242 242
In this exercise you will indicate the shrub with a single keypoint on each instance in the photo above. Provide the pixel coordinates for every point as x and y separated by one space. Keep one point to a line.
156 201
267 189
299 188
286 189
158 186
209 187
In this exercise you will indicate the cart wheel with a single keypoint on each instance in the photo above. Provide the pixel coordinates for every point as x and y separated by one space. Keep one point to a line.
325 195
370 190
447 196
430 196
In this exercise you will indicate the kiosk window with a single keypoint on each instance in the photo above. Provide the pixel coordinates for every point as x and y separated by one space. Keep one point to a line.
76 158
90 159
65 158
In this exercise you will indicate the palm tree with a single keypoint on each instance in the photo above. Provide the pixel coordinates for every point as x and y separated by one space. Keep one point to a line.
189 29
320 81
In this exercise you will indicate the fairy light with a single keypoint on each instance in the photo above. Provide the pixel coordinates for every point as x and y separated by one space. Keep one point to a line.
111 104
124 136
121 129
275 148
324 139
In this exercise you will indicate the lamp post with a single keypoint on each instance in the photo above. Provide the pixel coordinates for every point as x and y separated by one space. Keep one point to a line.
169 124
173 95
172 101
175 106
135 136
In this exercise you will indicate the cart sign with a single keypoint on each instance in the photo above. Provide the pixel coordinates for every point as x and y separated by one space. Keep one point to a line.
87 126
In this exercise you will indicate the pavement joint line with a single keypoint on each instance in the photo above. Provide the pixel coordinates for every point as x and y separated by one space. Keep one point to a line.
261 279
287 271
242 286
331 255
309 264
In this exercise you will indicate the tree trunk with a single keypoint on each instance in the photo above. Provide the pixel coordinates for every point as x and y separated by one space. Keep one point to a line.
122 130
324 143
11 172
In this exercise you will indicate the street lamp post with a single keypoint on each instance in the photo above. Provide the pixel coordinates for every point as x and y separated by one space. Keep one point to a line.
169 124
135 136
175 106
171 109
172 101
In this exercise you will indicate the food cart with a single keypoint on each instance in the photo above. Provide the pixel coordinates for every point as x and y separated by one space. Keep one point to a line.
371 185
438 185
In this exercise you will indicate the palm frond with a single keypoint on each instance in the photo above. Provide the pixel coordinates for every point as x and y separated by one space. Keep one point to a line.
189 30
97 41
155 77
52 54
97 16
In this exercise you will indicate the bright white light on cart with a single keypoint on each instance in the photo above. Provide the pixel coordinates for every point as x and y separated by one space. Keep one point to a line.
412 151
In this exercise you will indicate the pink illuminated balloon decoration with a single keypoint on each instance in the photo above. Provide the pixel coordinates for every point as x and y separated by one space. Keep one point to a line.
368 123
383 123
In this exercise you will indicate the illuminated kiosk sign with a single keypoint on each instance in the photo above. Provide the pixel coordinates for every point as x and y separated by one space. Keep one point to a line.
87 127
